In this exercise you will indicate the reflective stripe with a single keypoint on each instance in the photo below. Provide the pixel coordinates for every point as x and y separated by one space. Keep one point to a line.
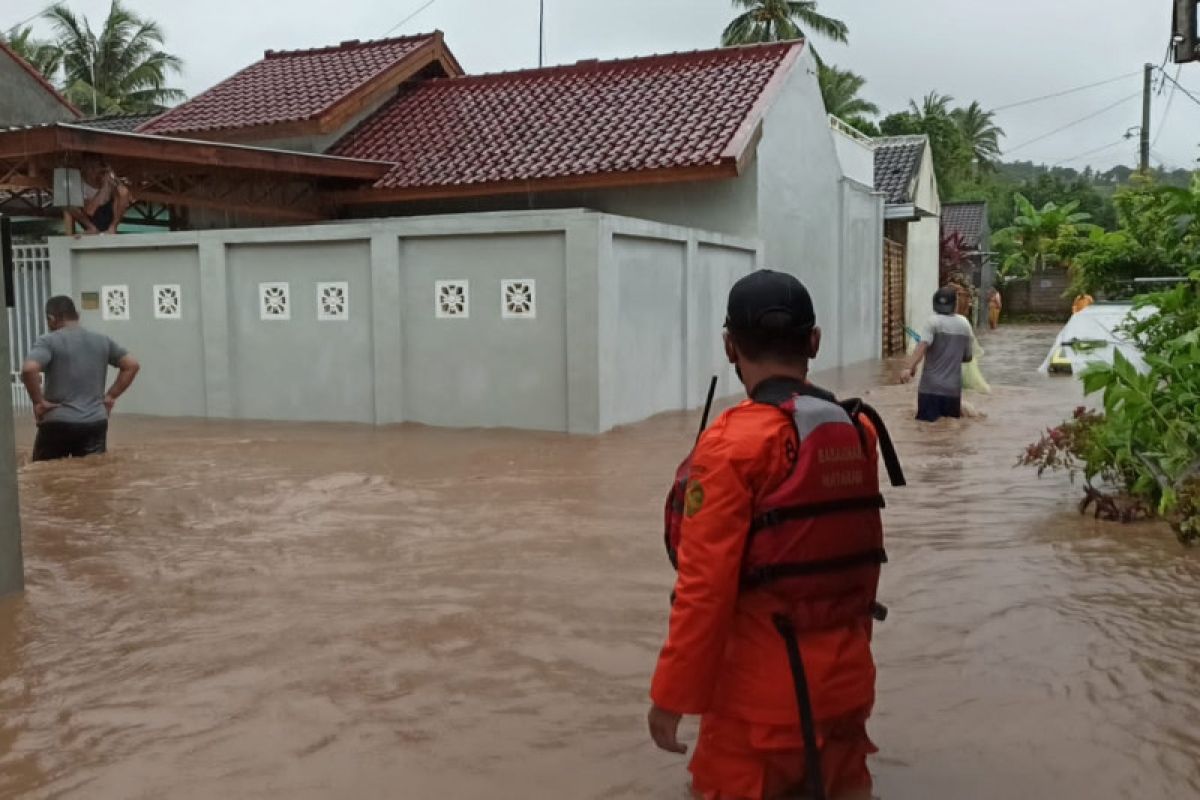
812 412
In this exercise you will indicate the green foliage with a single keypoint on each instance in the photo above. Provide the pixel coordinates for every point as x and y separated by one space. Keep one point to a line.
43 56
840 90
1146 444
1158 234
981 133
120 69
965 141
1040 237
780 20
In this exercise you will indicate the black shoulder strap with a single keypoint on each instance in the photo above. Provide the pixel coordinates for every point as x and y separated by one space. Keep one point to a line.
887 449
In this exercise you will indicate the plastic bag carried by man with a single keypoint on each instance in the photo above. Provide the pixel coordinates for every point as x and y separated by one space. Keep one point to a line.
773 523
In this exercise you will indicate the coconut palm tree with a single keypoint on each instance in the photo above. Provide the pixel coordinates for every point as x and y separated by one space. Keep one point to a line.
122 69
780 20
839 90
41 55
933 106
981 133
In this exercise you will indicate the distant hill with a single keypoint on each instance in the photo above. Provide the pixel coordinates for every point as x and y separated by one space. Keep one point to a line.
1027 171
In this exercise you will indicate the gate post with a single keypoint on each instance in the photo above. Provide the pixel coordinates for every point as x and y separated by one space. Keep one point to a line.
12 570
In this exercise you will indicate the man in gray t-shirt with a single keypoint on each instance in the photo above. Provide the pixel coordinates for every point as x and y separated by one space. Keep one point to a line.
945 346
72 410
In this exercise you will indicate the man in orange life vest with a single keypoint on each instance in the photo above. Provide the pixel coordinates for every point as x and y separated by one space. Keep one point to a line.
774 526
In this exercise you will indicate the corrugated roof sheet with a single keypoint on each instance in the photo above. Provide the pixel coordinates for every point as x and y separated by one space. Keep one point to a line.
125 123
968 219
288 86
592 118
897 163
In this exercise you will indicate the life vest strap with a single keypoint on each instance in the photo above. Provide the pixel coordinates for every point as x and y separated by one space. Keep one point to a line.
891 461
759 576
809 510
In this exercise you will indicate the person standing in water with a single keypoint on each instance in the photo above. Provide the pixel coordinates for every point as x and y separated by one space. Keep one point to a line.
945 346
72 411
773 524
995 306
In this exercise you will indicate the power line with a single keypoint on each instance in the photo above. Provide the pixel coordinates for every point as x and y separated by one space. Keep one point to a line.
1183 89
1167 111
1072 124
1164 162
409 18
1078 156
1065 92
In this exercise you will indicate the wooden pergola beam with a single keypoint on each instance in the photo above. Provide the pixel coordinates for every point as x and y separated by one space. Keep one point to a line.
64 138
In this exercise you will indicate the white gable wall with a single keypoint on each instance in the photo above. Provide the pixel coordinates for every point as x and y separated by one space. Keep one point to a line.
923 249
812 220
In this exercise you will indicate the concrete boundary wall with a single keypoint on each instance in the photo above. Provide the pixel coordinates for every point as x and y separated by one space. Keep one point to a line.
553 320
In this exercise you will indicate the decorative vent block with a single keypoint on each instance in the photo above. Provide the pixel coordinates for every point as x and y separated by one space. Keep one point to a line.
333 301
114 302
453 299
274 301
168 303
518 299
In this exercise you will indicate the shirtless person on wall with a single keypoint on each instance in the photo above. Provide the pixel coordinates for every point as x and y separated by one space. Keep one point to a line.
106 199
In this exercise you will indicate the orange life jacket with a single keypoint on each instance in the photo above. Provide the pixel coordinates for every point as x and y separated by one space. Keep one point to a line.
816 539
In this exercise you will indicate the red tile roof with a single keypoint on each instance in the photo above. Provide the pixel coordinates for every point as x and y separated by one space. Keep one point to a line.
40 78
289 86
645 118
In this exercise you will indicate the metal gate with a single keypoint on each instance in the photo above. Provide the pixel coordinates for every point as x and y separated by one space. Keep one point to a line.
27 321
893 298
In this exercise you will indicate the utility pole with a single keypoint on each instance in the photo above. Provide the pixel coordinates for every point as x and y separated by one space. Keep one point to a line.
541 33
12 569
1147 89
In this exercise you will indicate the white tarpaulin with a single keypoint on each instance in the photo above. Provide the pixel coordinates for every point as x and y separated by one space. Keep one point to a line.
1093 335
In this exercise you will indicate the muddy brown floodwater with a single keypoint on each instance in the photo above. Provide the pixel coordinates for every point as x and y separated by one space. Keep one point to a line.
225 610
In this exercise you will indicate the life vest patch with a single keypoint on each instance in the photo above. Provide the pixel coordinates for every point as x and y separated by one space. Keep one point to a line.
693 498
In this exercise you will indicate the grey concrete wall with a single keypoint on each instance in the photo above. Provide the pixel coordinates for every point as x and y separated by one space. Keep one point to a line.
647 284
627 319
1042 293
24 100
723 206
495 372
300 369
165 348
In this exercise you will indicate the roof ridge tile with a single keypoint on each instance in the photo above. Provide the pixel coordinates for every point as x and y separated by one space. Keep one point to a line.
594 64
347 45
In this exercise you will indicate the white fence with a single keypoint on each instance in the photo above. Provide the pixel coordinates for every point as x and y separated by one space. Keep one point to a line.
27 321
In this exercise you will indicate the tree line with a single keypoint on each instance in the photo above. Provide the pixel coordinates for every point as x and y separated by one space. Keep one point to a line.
121 68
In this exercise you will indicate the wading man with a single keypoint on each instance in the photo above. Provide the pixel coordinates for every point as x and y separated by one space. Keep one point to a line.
774 526
945 346
72 410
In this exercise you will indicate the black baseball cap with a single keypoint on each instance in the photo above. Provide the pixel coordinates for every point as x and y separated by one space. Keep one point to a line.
945 300
769 300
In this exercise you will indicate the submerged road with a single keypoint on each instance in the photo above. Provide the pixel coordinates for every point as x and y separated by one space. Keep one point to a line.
307 611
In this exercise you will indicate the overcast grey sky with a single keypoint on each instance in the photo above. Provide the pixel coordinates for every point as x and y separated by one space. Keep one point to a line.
998 53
